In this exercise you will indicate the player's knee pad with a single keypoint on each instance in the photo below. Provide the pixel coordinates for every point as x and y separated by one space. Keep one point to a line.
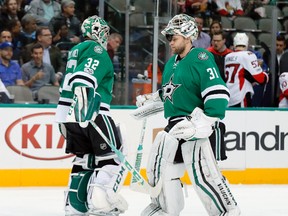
76 195
104 185
207 179
161 164
161 156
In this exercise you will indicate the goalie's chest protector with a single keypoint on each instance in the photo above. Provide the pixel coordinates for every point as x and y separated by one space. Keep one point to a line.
184 80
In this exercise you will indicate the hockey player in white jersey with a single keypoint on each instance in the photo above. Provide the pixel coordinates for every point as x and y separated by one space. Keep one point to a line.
242 72
283 98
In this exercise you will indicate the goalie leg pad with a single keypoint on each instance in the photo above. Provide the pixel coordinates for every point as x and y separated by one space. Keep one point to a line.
207 179
161 163
76 196
104 185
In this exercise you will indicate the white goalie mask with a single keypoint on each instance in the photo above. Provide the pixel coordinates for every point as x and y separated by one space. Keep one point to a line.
241 39
183 25
97 29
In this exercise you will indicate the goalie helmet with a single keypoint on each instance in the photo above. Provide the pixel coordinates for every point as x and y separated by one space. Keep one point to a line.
183 25
96 29
241 39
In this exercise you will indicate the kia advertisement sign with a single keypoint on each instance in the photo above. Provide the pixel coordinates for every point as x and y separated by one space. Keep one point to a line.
35 136
29 138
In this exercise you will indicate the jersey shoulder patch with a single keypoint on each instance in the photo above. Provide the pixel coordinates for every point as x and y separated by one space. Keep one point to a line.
98 49
202 56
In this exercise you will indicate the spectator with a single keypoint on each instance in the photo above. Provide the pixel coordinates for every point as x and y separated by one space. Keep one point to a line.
258 99
67 15
63 33
28 32
114 42
51 55
10 12
280 49
242 71
229 8
5 35
219 51
10 72
216 26
196 7
203 40
283 98
44 10
14 26
254 9
36 73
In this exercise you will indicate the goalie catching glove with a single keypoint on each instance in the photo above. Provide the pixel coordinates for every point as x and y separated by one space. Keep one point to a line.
148 105
85 105
195 126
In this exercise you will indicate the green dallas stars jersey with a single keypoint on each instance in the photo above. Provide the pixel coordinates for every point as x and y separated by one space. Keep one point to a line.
88 65
194 81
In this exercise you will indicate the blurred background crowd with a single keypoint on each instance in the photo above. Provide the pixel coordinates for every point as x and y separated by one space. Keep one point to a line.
36 35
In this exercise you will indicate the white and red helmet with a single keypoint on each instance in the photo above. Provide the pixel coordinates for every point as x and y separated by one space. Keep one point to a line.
241 39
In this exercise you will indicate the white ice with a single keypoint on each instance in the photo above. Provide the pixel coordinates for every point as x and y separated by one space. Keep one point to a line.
254 200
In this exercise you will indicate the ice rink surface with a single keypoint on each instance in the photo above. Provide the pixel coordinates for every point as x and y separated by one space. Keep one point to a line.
254 200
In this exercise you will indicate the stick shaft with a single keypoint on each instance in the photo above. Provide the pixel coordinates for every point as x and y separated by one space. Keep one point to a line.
139 150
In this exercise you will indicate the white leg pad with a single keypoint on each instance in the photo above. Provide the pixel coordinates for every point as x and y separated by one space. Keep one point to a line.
161 163
103 191
207 179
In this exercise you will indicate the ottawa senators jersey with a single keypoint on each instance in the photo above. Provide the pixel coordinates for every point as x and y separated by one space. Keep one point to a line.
191 82
88 65
283 98
241 70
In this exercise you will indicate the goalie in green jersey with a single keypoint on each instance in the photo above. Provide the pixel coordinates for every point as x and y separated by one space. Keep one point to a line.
86 93
195 98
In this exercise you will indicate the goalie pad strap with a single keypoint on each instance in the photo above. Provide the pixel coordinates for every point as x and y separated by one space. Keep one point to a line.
87 162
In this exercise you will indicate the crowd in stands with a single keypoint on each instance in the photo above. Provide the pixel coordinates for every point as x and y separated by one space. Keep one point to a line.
47 29
210 15
30 34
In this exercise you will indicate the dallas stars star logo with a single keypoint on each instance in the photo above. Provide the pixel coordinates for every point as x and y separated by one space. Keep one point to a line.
169 89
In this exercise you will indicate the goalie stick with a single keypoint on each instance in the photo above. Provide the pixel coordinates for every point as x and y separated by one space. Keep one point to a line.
133 183
144 186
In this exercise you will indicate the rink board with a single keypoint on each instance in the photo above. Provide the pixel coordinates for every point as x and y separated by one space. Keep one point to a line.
32 151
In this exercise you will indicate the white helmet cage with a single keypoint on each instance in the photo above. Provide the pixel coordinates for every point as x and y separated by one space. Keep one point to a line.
241 39
183 25
96 28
